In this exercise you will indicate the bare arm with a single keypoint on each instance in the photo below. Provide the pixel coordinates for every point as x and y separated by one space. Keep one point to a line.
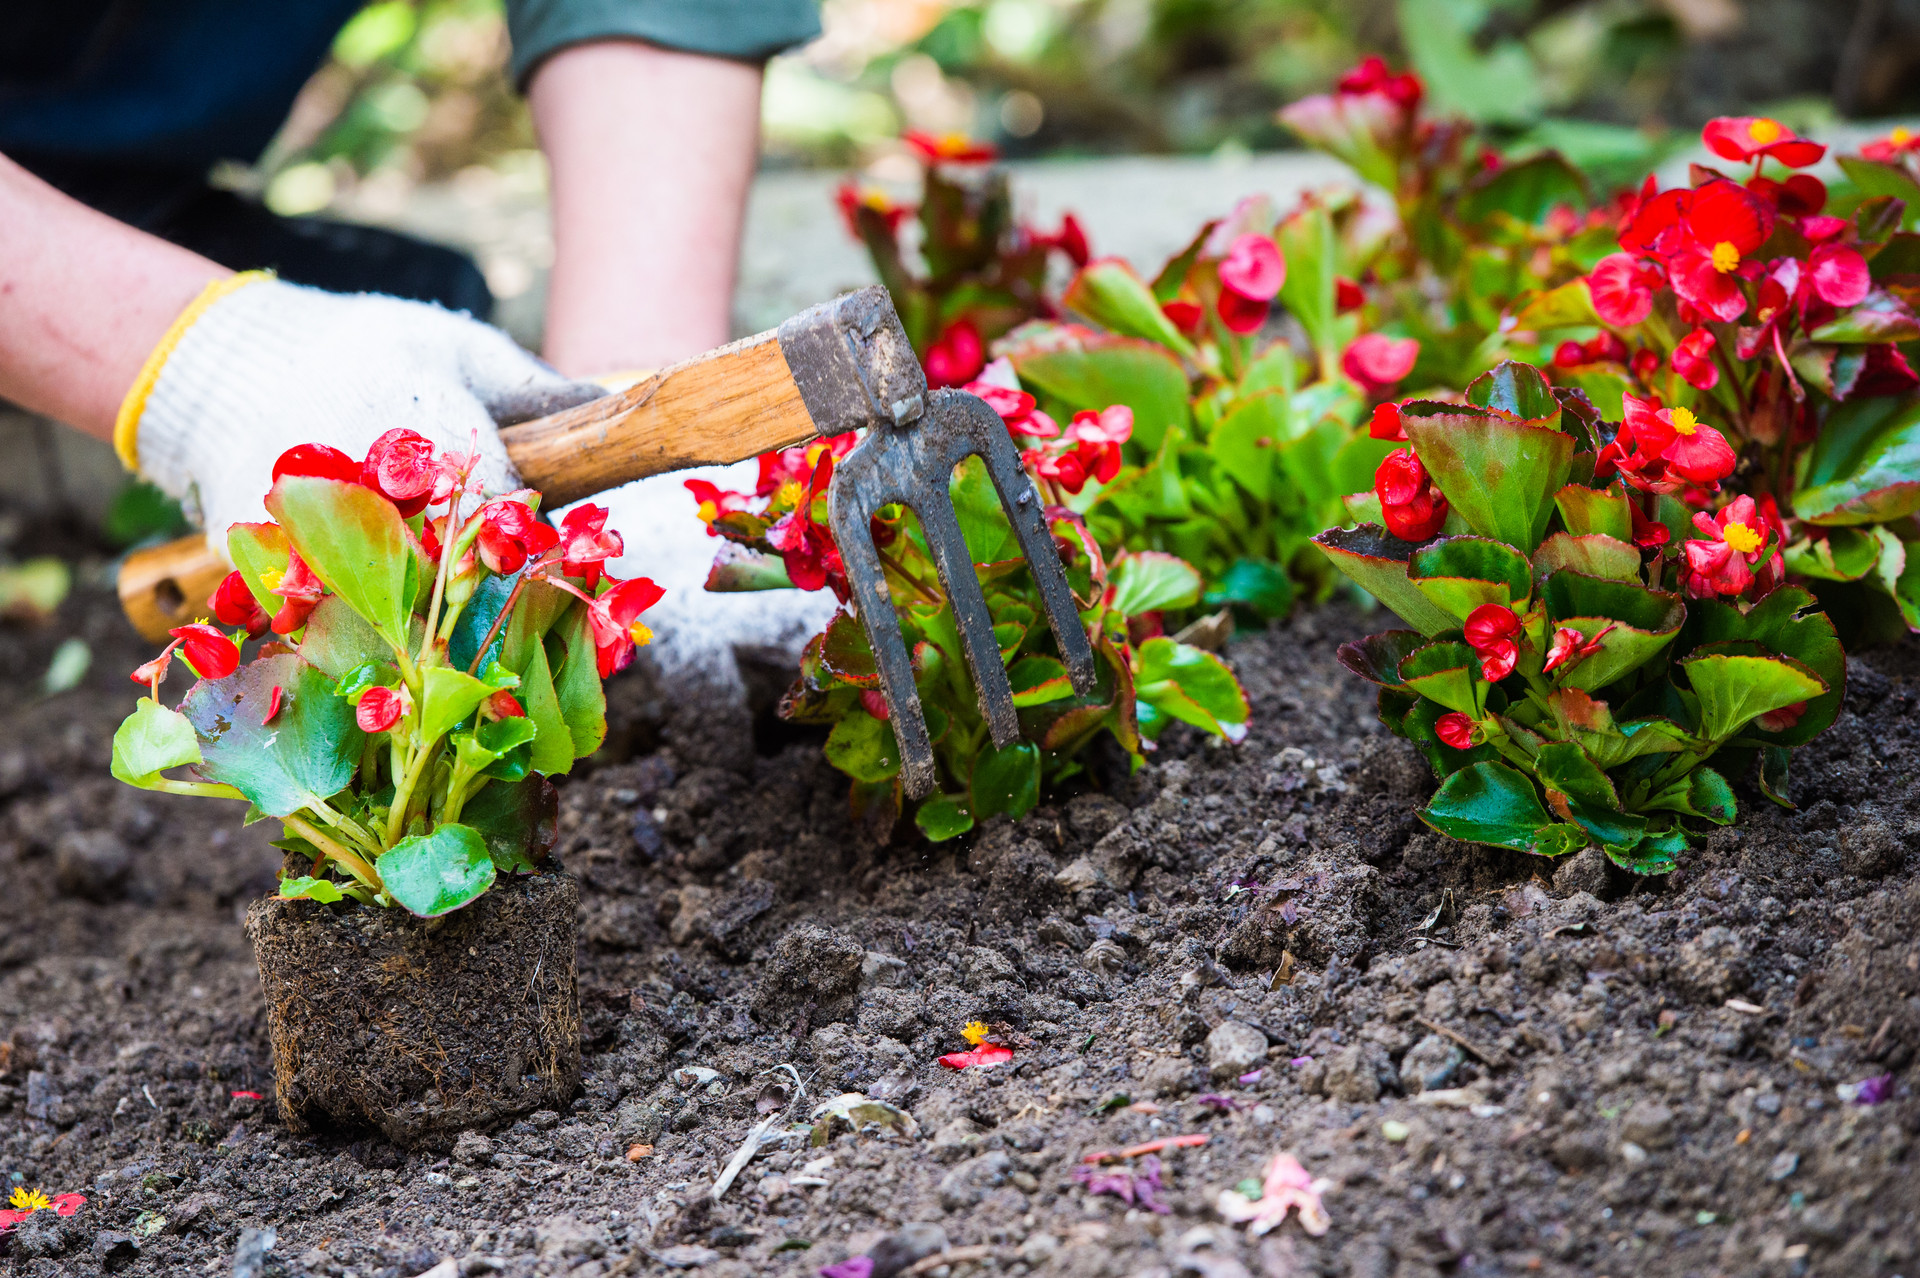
652 152
83 300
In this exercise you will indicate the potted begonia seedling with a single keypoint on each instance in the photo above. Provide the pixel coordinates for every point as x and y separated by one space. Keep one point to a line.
430 655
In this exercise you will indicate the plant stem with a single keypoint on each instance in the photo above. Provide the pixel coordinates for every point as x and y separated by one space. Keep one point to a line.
403 794
356 865
919 587
204 789
506 610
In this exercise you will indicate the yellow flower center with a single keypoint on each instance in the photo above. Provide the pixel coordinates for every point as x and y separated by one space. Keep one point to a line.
1764 131
28 1200
640 634
708 510
1742 538
975 1032
789 493
271 579
1725 257
1684 421
1900 136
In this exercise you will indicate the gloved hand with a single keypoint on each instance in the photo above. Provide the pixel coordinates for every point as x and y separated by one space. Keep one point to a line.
256 366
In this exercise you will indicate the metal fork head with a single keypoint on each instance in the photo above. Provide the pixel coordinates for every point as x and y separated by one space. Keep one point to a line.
911 461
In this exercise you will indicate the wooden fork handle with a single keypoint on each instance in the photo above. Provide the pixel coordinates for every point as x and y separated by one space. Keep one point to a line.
835 367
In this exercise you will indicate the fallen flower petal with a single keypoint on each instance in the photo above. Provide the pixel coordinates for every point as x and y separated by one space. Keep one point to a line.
1139 1188
245 1095
1251 1077
984 1056
851 1267
1285 1187
273 704
1151 1147
1871 1091
1215 1100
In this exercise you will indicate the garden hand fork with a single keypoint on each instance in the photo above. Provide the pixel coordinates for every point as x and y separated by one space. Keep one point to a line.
840 366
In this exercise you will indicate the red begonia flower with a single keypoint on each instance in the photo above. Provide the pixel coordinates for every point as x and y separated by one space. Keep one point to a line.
1409 504
1490 632
874 702
1096 439
1722 562
586 543
1373 76
154 672
1802 195
504 705
1664 450
1693 360
1378 362
1070 239
617 629
1064 469
212 654
319 461
1570 646
1386 423
1186 315
1254 268
807 548
1723 223
1347 295
302 592
1747 137
715 501
1782 719
1886 373
1241 314
949 148
509 534
451 471
956 356
400 467
1016 408
1838 274
234 605
1622 289
1455 729
380 708
1902 141
855 199
1648 533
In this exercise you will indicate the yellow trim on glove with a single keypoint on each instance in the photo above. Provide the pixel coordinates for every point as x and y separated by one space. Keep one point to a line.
126 424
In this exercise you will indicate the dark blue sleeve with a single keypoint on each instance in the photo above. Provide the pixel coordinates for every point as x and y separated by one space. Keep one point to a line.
161 83
749 30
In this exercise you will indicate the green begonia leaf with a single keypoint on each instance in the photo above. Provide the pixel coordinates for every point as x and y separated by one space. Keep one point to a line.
1245 441
1701 793
307 888
151 740
1516 388
1252 583
1377 658
1005 781
1590 799
1377 561
437 873
1191 685
448 696
1112 295
1501 476
1089 372
1039 680
863 747
355 542
1460 574
1151 581
1644 622
518 821
1493 803
1589 511
1734 690
1596 555
306 754
1864 467
1787 621
1444 672
943 817
576 681
259 554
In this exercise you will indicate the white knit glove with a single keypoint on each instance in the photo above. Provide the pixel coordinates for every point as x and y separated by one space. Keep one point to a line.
257 366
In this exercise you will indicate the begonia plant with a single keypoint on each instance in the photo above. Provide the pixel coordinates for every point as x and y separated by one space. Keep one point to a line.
429 654
1602 630
1784 312
1147 680
974 269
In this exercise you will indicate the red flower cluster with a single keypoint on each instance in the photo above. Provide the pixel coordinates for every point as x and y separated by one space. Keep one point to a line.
956 356
1665 450
1491 632
805 545
1413 509
1374 77
949 148
1090 449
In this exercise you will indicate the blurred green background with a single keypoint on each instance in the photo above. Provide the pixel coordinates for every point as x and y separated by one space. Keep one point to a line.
416 91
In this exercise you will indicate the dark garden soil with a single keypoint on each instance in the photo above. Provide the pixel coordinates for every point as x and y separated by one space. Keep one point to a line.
1515 1067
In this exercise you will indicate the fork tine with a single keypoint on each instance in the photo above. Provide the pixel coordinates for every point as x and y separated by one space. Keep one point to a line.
1024 509
950 555
873 599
